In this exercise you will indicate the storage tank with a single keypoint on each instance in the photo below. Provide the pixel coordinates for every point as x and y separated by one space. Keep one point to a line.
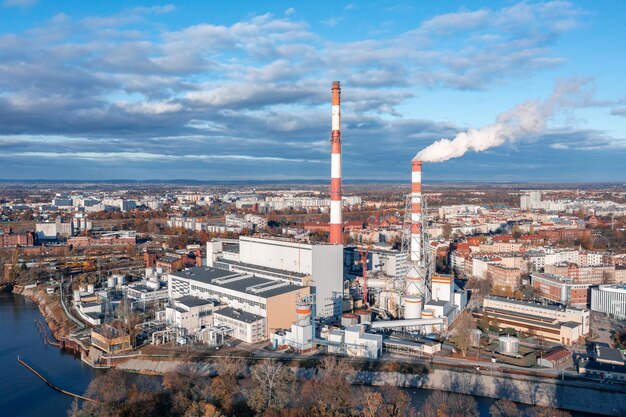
365 316
76 295
349 319
90 288
111 282
303 314
428 314
509 345
414 284
75 224
412 307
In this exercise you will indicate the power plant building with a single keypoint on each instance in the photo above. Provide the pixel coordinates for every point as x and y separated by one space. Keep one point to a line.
564 325
317 265
271 299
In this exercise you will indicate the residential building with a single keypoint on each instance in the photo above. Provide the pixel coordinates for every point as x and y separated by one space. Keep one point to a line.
559 289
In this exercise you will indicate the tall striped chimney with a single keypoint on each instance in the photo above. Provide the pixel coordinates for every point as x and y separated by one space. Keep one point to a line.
416 212
335 168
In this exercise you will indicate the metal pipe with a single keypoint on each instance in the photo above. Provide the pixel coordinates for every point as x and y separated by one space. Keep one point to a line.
405 323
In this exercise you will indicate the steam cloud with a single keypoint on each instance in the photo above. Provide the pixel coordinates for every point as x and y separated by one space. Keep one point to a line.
524 121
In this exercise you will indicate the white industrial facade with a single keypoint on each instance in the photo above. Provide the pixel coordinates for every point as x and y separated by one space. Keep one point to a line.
317 265
609 299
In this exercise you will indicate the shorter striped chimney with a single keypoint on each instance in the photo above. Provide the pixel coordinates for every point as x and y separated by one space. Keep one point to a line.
416 212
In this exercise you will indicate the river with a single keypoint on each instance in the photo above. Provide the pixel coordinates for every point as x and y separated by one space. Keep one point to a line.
25 395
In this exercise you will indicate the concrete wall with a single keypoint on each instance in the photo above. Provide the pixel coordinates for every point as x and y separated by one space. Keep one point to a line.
281 310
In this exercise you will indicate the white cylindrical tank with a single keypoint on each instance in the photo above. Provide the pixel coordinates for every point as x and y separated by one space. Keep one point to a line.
111 282
75 223
303 314
508 345
153 285
412 307
414 285
349 319
90 288
82 223
89 225
76 295
428 314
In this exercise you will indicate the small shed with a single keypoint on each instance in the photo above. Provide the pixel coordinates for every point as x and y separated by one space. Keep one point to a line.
554 358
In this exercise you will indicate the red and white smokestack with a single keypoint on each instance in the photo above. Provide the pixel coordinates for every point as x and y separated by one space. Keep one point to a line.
335 168
416 212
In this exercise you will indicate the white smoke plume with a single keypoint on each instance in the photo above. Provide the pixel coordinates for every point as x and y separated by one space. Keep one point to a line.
524 121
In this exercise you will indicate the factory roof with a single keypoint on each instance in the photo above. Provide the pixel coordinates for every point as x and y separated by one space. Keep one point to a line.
526 318
244 283
238 315
570 324
606 354
140 287
602 367
437 303
263 268
554 307
190 301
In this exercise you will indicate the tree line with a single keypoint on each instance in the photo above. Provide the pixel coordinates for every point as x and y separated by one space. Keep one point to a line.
270 389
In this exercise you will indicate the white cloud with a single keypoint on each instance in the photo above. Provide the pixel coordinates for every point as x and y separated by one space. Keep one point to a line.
19 3
150 107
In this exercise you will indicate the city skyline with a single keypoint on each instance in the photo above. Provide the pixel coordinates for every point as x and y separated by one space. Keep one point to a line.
223 92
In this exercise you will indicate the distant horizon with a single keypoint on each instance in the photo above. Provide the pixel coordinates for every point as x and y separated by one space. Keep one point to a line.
294 181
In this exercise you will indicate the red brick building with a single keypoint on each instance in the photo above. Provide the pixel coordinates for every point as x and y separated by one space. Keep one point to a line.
10 239
503 276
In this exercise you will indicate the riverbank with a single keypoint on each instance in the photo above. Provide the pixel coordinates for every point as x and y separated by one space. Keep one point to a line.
581 396
51 310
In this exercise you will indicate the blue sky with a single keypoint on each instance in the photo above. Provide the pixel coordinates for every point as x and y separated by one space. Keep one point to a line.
223 90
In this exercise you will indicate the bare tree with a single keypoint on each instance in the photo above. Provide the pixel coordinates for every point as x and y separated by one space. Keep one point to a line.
211 411
549 412
504 408
273 386
229 365
439 404
372 403
396 401
462 333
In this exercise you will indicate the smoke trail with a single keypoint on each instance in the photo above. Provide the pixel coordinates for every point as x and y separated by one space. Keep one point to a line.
523 121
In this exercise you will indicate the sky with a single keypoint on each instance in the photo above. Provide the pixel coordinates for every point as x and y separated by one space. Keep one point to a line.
224 90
